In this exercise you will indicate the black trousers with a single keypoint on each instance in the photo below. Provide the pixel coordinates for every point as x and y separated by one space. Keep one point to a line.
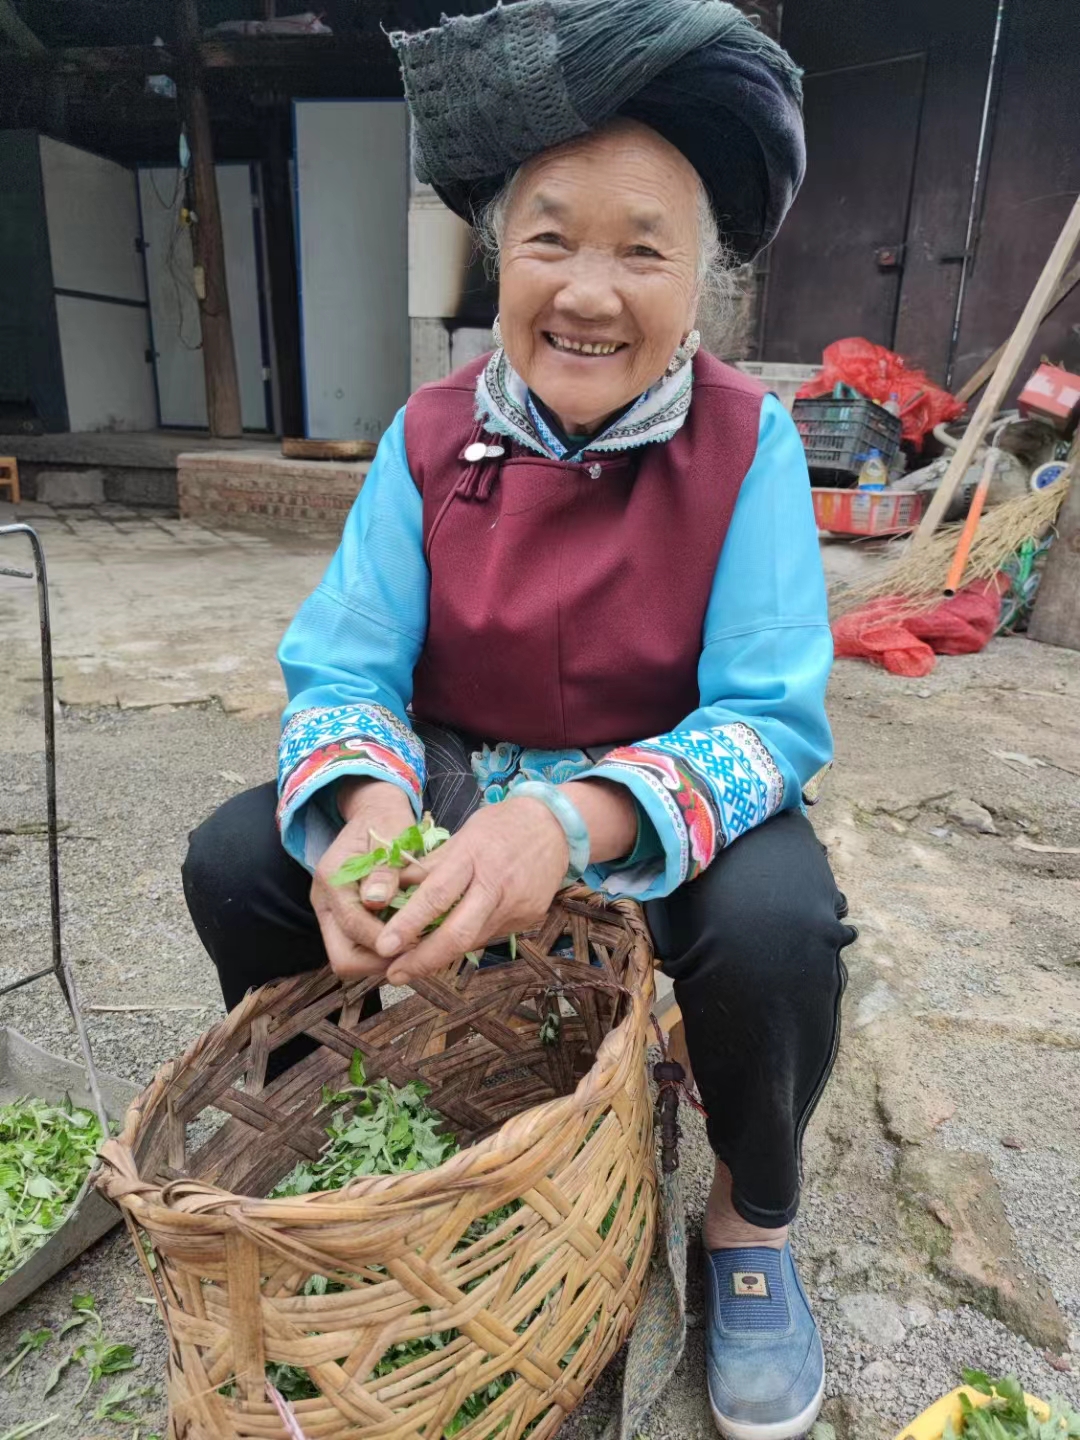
753 947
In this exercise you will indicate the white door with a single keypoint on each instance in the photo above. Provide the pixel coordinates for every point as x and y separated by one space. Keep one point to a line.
93 222
174 309
352 168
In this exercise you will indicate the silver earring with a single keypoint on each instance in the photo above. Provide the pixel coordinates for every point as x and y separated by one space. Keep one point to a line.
496 333
685 352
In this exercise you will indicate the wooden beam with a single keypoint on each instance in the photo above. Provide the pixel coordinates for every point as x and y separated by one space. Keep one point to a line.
1010 362
17 31
273 52
987 368
90 60
230 52
219 351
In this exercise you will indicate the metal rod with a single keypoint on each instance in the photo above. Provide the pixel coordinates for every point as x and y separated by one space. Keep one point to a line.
26 980
64 977
977 187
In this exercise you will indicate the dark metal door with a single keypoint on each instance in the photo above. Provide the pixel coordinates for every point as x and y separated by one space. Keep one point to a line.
1033 174
837 266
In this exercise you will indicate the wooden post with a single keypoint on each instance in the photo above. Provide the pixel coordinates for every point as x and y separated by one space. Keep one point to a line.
219 352
1004 375
1055 619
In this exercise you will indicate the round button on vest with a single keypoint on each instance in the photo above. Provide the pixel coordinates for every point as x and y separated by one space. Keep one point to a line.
595 471
474 452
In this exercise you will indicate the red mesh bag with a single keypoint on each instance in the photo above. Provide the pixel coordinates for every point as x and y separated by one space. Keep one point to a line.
879 374
886 633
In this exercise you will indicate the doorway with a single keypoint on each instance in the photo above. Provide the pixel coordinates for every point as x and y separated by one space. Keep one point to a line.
872 247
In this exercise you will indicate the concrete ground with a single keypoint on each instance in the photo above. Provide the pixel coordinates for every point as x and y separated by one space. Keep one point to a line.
941 1221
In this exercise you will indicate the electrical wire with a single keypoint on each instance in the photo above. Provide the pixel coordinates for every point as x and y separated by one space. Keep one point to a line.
174 267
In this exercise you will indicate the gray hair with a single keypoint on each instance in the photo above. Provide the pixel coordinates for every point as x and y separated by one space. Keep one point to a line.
717 277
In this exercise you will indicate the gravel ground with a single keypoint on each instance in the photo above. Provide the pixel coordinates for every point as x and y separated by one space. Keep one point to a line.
962 1021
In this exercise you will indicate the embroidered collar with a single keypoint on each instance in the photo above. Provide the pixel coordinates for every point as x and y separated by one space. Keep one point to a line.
505 407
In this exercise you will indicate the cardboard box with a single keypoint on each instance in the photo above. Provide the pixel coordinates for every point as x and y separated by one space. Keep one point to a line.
1052 394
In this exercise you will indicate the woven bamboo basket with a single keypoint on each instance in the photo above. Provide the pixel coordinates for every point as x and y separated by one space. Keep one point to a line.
539 1304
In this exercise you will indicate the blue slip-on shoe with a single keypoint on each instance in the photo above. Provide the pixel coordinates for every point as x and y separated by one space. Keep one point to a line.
765 1363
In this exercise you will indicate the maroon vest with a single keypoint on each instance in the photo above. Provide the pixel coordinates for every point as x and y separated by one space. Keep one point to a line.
567 606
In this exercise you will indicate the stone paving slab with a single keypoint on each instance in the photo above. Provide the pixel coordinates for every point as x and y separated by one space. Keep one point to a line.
153 611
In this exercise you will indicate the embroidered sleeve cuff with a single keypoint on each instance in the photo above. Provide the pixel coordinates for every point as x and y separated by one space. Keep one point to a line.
701 789
321 746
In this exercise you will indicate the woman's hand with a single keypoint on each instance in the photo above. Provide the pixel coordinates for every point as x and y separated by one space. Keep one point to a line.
374 811
497 875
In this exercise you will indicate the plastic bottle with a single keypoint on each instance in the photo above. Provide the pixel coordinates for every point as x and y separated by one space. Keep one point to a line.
874 474
893 406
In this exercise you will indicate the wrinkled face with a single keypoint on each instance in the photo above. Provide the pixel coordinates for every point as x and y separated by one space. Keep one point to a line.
598 270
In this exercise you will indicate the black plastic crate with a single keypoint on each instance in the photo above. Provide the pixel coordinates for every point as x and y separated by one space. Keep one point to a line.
838 434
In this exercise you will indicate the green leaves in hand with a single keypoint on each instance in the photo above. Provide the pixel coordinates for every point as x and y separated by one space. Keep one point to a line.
412 844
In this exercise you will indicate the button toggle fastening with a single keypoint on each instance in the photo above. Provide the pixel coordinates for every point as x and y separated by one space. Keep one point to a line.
479 451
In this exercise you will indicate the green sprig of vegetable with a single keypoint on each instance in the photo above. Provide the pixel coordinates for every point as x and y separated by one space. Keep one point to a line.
1008 1415
28 1428
46 1153
98 1356
115 1404
27 1343
409 848
411 845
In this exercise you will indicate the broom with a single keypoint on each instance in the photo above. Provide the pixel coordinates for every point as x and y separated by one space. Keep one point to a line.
919 576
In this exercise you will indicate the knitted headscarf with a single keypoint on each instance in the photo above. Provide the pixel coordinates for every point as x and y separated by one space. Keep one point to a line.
488 92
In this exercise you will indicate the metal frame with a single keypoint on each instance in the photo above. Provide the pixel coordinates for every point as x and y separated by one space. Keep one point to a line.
59 966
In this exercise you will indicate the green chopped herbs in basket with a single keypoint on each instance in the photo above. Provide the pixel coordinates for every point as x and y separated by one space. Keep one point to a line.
376 1128
1008 1416
46 1153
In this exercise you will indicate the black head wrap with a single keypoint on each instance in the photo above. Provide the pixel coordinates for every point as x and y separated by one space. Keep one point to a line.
488 92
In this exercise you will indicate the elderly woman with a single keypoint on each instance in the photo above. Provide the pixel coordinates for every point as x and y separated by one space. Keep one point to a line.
578 611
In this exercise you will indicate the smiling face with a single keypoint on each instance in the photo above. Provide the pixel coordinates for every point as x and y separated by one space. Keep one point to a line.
598 270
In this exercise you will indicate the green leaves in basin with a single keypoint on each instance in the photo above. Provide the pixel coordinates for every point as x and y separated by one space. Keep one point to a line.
46 1153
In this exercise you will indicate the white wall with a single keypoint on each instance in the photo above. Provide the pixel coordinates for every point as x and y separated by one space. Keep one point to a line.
352 201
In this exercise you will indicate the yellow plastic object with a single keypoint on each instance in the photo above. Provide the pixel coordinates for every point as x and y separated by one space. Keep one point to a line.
930 1425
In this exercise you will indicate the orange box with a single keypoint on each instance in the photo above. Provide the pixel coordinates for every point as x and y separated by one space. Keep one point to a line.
1052 394
866 512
